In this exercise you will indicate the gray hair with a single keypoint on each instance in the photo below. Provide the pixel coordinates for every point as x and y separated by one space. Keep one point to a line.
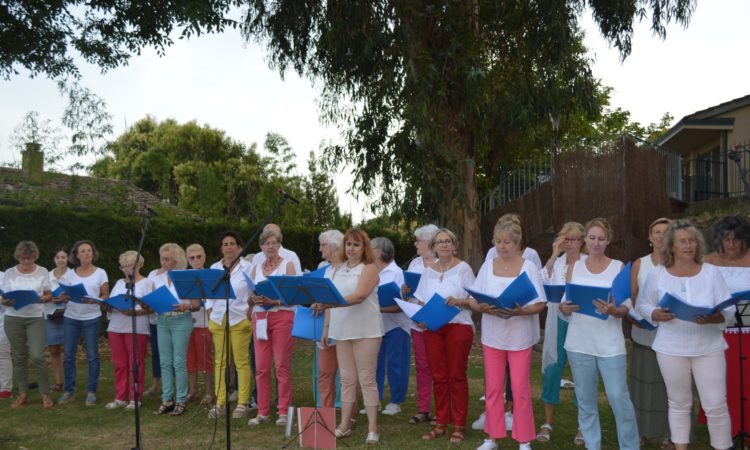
333 238
427 232
385 246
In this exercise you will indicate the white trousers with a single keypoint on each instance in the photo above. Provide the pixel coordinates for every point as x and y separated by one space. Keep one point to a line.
710 374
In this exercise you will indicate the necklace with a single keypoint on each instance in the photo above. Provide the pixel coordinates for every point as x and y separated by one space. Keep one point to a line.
443 269
270 266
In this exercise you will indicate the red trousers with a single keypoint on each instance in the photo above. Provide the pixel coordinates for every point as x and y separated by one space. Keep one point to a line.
200 351
121 347
448 356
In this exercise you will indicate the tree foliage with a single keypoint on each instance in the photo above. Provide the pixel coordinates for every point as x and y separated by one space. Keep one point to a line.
202 170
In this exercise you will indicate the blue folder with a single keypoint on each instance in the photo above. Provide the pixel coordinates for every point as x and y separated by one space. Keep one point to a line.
520 291
323 291
160 300
681 309
412 280
121 302
58 291
291 289
22 298
621 285
387 292
436 314
308 325
635 317
742 295
199 283
318 273
75 292
584 297
554 292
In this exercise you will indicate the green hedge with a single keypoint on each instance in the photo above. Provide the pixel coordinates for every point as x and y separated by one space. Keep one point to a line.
50 227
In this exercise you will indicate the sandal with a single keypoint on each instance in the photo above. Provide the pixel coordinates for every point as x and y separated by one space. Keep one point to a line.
240 412
578 440
21 400
47 402
544 434
419 418
458 434
435 432
165 407
666 444
179 409
56 387
207 400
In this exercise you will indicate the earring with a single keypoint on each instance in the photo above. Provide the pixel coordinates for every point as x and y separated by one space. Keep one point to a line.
650 244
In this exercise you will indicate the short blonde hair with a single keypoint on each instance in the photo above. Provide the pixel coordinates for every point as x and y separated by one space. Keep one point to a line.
450 234
512 227
26 248
666 250
128 258
195 248
175 252
602 223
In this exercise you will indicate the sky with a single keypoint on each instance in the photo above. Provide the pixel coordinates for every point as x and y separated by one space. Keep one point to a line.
227 84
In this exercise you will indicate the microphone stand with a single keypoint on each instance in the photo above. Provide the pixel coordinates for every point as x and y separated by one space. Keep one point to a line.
225 279
130 294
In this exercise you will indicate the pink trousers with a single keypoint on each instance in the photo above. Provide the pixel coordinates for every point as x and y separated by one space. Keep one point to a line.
327 367
422 369
279 346
121 348
495 360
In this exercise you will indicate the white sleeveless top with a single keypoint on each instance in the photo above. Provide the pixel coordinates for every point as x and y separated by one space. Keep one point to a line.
641 335
357 321
589 335
259 277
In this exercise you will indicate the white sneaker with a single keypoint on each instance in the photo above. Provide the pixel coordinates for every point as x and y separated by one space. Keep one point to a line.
479 423
234 396
281 421
566 384
257 420
483 398
391 409
131 406
524 446
116 404
488 444
508 420
363 411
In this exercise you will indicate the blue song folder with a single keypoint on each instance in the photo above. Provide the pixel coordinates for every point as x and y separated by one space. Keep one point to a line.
684 311
387 293
742 295
318 273
308 325
75 292
119 301
323 291
435 314
22 298
199 283
641 321
160 300
412 280
621 285
520 291
584 297
290 289
58 291
554 292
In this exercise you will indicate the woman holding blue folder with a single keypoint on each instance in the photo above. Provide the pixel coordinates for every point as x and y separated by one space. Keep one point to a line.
448 348
330 242
357 329
567 249
690 349
83 319
120 333
25 326
272 322
508 336
596 345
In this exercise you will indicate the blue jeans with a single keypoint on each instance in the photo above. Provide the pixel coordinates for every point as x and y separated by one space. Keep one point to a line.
613 369
154 341
72 331
174 336
394 358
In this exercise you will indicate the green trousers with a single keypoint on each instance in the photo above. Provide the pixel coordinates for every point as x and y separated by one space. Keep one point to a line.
27 342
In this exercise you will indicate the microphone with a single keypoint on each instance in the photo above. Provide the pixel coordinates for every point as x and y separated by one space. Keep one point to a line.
287 196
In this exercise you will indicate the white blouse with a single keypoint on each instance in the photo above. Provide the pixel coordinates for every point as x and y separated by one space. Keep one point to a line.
93 284
359 321
452 285
54 283
515 333
641 335
589 335
121 323
678 337
393 273
529 254
237 306
37 281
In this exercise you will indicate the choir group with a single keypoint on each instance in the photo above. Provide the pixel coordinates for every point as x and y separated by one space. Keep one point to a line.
366 343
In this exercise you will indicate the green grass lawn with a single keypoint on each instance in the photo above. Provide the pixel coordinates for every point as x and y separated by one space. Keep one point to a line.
79 427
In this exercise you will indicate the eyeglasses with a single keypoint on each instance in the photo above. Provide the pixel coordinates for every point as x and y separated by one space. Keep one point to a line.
444 242
270 244
572 239
194 257
687 242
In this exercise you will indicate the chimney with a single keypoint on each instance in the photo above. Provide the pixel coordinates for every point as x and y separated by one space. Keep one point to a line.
32 162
